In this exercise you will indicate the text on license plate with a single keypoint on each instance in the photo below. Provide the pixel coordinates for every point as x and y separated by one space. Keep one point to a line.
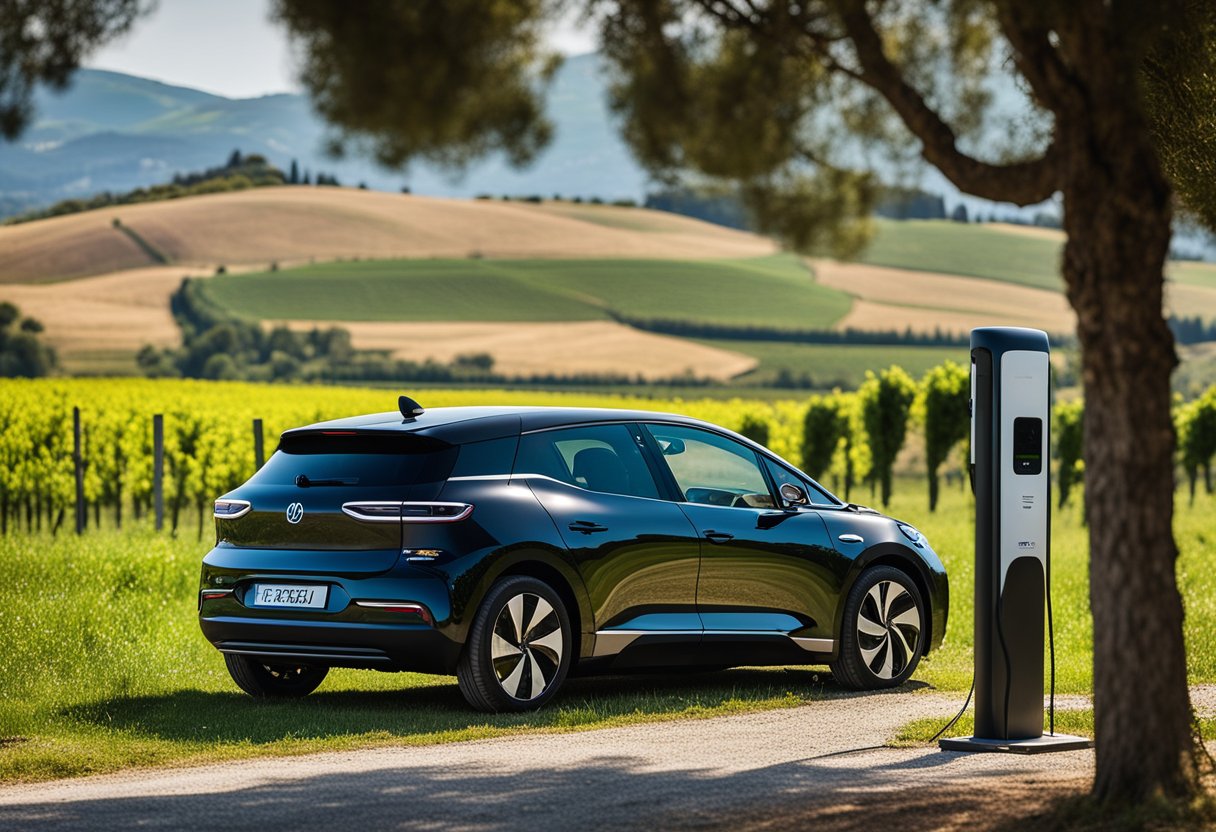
287 595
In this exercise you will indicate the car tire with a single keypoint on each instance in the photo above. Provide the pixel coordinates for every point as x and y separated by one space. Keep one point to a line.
519 647
273 680
883 631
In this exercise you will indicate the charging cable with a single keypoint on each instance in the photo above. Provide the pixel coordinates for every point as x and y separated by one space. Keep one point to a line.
1051 647
957 716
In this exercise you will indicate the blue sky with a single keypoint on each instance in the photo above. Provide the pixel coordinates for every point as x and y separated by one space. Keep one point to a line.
231 48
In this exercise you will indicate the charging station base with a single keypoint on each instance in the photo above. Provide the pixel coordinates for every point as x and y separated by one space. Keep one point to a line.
1037 745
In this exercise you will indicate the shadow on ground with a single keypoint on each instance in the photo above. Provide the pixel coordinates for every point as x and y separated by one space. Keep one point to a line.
609 791
200 716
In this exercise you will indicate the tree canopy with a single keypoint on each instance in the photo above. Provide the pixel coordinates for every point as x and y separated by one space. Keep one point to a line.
44 41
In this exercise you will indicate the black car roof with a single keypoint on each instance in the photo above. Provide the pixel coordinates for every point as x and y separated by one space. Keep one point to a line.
471 424
459 425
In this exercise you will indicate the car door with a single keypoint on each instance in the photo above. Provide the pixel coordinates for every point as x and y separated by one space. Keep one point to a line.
638 554
765 568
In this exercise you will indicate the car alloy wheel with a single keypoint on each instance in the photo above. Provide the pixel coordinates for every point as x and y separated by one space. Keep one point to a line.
526 646
883 632
888 629
519 648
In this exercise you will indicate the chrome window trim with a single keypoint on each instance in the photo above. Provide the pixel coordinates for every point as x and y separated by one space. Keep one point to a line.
489 477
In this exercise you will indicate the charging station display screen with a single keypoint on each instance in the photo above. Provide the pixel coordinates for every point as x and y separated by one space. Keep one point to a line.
1027 445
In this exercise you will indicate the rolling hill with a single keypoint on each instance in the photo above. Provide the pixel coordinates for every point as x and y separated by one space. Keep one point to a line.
296 225
777 290
535 285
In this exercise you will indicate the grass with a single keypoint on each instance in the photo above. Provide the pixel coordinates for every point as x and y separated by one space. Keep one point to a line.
962 249
833 365
1079 722
102 665
776 290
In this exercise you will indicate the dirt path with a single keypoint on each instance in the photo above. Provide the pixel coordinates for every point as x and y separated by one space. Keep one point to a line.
753 771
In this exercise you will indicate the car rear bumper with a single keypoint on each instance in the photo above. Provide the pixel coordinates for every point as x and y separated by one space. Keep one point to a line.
400 619
417 647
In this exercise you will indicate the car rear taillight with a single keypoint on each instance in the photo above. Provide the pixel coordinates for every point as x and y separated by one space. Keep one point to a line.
401 607
407 512
227 509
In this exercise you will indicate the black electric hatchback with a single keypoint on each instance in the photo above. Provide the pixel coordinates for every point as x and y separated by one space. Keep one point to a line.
512 546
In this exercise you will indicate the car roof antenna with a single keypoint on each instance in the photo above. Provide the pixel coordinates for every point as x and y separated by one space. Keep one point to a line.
409 408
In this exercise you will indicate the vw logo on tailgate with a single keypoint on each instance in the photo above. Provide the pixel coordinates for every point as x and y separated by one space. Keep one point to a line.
295 512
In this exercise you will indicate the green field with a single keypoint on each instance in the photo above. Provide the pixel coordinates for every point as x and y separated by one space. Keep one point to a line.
1192 273
833 365
102 665
962 249
774 291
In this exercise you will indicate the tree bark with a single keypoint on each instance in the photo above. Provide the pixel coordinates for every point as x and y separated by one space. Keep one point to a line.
1117 217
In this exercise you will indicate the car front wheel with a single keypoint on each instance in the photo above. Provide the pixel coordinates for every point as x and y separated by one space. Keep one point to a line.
882 636
519 647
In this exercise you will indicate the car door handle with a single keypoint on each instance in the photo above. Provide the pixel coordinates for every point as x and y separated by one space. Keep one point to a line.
719 537
852 538
586 527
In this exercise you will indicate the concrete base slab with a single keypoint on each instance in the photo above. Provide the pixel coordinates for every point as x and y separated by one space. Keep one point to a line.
1036 745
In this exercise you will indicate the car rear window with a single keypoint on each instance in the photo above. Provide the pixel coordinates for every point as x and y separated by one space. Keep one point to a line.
357 461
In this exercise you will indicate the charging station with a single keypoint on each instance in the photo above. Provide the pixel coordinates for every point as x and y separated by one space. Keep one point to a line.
1010 475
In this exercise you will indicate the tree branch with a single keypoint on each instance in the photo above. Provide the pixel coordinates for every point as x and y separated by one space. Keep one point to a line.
1022 183
1035 57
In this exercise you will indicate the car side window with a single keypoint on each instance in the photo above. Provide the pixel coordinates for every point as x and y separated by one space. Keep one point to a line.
712 469
781 475
603 458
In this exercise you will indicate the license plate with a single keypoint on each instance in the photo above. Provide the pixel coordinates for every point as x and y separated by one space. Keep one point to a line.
295 596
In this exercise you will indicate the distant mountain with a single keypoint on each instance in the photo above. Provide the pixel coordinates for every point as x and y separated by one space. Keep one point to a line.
112 131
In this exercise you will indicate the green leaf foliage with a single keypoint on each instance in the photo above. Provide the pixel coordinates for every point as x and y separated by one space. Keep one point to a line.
942 404
1197 439
755 428
886 402
22 351
448 81
1069 433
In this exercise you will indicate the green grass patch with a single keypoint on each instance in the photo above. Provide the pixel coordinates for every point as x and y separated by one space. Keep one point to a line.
103 667
970 250
921 731
1079 722
832 365
777 290
1195 274
397 290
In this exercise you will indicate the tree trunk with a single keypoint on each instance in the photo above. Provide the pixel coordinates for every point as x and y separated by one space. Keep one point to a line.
933 487
1117 216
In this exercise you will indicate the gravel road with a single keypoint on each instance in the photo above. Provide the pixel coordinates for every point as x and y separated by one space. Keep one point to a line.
706 773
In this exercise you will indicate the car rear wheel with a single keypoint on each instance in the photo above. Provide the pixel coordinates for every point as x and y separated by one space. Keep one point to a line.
519 647
882 634
273 679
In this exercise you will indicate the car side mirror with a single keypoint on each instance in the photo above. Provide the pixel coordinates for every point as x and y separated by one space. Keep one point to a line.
792 494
